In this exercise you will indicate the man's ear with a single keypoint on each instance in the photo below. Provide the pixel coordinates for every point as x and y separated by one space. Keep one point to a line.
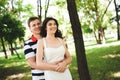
30 29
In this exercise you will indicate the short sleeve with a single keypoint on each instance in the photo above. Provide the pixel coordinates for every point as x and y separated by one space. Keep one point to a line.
28 51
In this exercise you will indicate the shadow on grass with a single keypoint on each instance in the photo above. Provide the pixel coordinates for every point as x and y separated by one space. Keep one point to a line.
104 63
14 69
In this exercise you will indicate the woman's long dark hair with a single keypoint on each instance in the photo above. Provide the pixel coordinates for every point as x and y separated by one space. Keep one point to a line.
44 25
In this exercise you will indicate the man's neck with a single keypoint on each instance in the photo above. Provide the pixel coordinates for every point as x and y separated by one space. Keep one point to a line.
37 36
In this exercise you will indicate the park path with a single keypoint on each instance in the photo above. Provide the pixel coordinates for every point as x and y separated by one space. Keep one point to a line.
103 45
9 53
72 49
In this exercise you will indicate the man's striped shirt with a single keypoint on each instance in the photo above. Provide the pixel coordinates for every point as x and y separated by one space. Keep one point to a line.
30 51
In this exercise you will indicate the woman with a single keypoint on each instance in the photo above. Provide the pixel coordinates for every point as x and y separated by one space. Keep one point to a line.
54 51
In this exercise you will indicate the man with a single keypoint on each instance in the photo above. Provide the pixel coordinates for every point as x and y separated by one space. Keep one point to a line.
30 48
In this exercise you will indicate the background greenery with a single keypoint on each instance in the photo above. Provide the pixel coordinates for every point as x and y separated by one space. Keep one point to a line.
98 23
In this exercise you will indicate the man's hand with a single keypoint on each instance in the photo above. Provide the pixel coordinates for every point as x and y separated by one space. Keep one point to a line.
62 66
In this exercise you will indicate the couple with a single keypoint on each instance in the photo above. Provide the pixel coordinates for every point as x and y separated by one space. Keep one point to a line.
46 52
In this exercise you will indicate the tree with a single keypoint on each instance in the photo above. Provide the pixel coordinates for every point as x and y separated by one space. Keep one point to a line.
2 38
9 23
117 9
95 17
78 38
2 10
13 30
39 8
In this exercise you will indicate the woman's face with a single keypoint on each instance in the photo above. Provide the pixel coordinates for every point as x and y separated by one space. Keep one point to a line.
51 27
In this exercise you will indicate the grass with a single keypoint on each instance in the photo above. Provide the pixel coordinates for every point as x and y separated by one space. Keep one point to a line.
14 68
103 63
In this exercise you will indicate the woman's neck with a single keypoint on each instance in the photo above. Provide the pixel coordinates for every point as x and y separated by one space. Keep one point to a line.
50 36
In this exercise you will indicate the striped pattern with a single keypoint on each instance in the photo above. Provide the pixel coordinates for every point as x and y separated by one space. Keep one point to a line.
30 51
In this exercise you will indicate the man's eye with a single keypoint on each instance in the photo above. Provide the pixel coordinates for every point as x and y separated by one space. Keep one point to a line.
38 23
33 25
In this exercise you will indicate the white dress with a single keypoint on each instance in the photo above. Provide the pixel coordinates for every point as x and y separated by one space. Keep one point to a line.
52 55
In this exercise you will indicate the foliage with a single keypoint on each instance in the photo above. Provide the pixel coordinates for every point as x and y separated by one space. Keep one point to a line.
2 4
12 17
25 9
13 28
94 17
60 3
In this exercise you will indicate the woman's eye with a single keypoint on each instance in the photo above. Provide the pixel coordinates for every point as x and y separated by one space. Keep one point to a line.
49 24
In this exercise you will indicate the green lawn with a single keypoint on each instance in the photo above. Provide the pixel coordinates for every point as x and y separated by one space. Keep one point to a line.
103 63
14 68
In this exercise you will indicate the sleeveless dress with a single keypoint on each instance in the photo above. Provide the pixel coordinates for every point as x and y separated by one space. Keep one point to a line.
55 54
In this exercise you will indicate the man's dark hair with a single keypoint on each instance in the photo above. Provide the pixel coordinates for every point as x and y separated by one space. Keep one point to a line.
32 19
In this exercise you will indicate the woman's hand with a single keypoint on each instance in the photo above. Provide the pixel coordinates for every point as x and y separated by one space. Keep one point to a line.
62 66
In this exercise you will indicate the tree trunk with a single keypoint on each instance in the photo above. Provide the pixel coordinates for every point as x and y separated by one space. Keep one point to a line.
11 49
101 36
39 10
78 38
117 19
95 35
46 7
2 41
17 54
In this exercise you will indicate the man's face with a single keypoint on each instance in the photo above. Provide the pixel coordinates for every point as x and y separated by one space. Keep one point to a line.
35 26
